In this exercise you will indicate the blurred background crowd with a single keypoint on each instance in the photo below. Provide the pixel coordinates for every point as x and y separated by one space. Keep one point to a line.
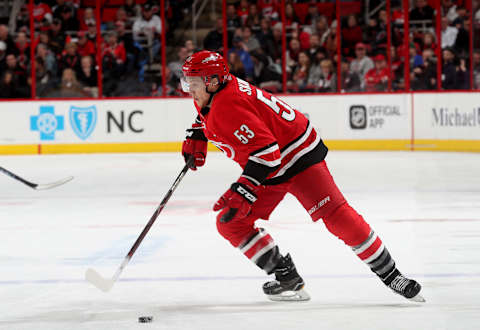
92 48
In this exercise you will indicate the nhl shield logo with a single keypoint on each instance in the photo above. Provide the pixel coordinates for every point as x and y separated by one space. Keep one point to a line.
83 120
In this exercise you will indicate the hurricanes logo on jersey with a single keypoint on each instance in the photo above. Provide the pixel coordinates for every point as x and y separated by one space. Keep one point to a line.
227 149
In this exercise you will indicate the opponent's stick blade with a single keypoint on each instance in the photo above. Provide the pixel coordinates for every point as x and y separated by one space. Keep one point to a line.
53 184
98 281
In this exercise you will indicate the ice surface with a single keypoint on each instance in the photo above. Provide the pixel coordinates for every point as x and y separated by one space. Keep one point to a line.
425 206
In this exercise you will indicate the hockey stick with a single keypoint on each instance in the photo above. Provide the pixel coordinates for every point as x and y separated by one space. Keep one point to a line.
36 186
105 284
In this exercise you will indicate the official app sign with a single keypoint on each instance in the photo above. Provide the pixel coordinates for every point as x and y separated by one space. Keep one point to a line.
373 116
358 117
47 123
83 120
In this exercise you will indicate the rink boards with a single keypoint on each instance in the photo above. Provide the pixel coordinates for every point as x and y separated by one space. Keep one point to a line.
419 121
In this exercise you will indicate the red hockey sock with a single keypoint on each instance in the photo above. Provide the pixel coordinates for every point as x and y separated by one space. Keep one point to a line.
349 226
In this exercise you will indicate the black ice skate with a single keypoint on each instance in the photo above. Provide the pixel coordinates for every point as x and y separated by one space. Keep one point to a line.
288 285
406 287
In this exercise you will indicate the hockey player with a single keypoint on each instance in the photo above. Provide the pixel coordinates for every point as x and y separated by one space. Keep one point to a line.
280 152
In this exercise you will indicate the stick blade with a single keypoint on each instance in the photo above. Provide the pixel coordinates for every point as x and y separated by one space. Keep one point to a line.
98 281
53 184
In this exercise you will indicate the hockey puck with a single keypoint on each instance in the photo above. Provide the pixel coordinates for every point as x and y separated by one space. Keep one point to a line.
145 319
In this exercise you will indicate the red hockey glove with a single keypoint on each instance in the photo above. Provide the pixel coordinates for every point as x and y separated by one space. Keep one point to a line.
195 145
237 202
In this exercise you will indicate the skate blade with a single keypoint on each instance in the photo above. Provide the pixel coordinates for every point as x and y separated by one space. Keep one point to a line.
300 295
417 298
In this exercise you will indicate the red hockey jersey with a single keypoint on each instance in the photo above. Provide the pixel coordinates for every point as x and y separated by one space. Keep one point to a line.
268 138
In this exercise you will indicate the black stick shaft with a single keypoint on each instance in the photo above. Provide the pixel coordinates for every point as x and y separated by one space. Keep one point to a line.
16 177
152 219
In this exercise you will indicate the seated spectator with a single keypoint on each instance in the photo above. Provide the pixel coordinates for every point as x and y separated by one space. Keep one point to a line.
249 40
322 30
22 50
191 47
240 49
476 69
236 66
314 46
114 55
70 60
20 73
463 75
312 16
44 78
48 59
266 74
299 80
449 9
88 76
422 12
327 80
9 86
85 47
148 26
332 40
428 41
273 46
134 52
57 37
377 78
233 21
67 14
362 63
88 18
462 16
449 34
270 9
133 10
6 38
69 86
176 66
265 32
291 19
3 56
397 69
242 11
462 42
214 39
350 80
253 18
42 12
292 54
449 70
351 35
316 69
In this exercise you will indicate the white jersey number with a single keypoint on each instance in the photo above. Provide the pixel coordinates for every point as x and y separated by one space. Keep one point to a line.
288 113
248 132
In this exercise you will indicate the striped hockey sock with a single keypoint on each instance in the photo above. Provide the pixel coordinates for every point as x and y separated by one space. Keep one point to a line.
261 250
376 256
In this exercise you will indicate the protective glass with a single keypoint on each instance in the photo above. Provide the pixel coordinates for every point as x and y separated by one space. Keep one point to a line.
192 84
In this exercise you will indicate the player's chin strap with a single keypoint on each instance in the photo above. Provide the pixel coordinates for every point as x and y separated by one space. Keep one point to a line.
220 87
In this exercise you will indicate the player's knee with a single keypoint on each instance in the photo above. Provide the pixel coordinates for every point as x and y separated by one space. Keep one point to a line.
234 231
349 226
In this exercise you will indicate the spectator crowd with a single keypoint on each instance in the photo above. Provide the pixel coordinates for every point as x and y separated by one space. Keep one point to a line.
365 50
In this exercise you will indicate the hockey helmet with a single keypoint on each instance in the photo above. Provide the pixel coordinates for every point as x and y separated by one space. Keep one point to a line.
205 65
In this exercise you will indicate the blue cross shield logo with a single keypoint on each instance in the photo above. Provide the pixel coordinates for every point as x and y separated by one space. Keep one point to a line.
47 123
83 120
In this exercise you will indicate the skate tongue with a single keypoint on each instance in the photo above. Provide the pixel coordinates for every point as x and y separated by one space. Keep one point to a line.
300 295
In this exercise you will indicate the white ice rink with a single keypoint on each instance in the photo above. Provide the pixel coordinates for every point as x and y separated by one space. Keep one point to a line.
425 206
